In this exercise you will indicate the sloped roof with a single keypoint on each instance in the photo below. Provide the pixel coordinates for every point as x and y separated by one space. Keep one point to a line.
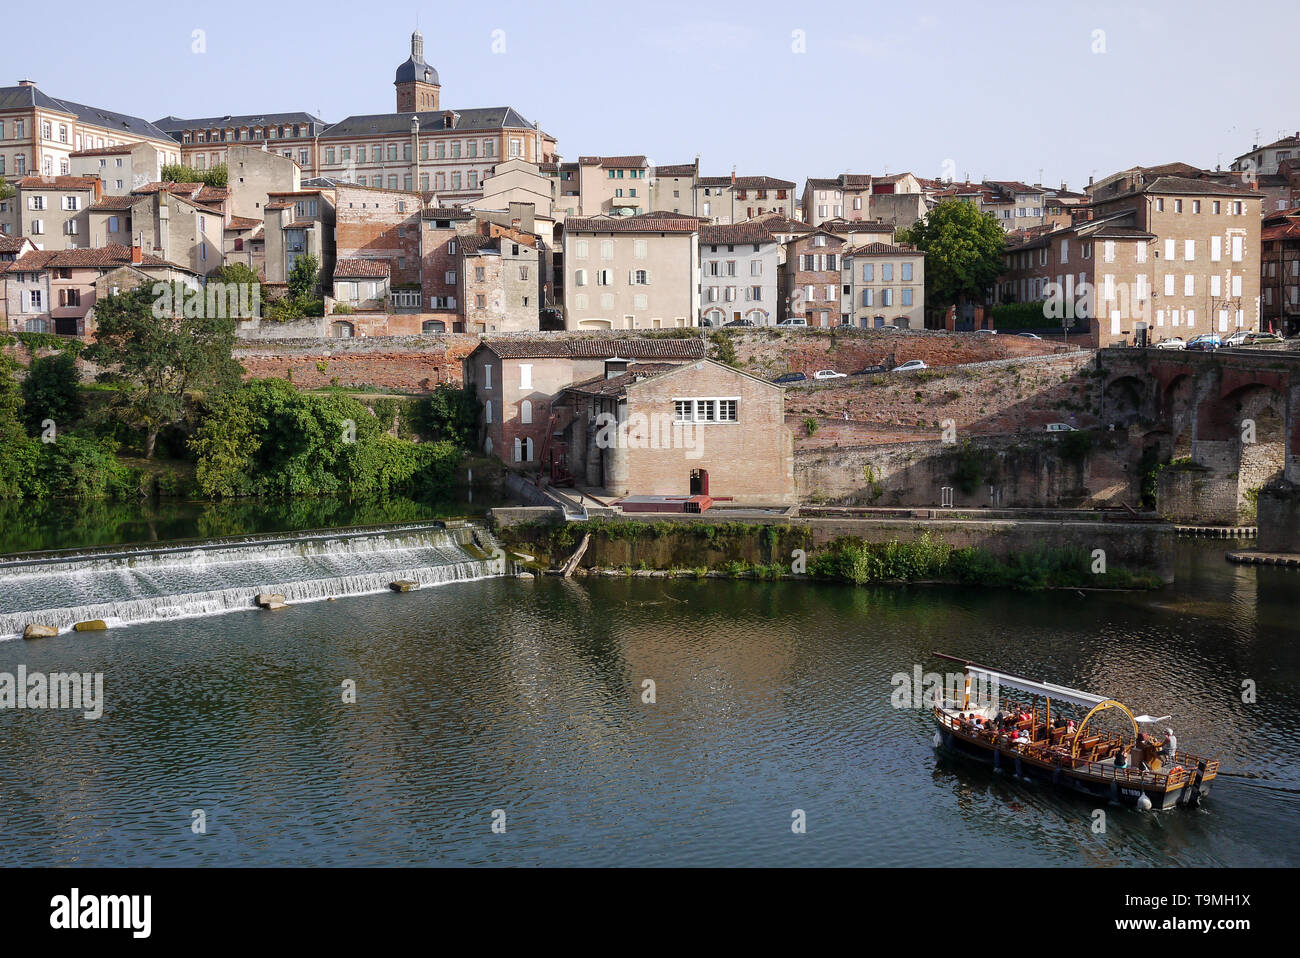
383 124
644 223
174 126
362 268
748 231
26 97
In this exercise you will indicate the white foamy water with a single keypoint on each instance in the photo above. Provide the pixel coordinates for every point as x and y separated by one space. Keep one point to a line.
143 585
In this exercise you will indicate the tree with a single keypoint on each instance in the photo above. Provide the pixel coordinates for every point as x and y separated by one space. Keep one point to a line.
963 252
219 175
302 278
6 190
52 390
449 413
159 358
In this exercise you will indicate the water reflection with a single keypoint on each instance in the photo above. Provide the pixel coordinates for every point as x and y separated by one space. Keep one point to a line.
527 695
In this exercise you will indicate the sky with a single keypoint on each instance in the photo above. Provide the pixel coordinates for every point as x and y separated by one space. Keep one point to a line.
1046 92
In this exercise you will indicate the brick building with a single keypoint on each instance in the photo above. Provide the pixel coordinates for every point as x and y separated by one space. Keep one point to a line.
810 278
1280 277
661 429
518 380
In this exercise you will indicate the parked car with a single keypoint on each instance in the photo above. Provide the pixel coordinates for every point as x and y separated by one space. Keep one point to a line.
990 332
829 374
1060 427
1173 342
911 366
871 370
790 378
740 322
1207 342
1029 335
1237 338
888 327
793 322
1261 339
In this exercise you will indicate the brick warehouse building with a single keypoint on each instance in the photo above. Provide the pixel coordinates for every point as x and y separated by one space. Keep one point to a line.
518 380
701 428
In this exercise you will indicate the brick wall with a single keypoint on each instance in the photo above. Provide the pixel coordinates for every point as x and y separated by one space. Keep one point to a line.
414 364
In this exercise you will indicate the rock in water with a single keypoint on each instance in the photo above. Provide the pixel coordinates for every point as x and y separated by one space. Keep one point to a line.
93 625
404 585
269 600
35 631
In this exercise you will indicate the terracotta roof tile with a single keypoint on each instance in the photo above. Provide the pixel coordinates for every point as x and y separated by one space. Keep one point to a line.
362 268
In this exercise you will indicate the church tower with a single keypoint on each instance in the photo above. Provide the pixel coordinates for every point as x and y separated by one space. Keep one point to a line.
416 82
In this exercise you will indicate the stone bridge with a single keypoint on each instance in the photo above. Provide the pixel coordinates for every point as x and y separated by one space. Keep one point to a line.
1230 422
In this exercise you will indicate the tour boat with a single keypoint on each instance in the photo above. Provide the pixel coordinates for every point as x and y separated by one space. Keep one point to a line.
1029 745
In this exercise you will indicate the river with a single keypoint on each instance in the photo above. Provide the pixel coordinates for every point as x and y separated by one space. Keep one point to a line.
526 696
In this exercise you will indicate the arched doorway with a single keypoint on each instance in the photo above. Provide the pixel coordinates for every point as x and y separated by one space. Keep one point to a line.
342 330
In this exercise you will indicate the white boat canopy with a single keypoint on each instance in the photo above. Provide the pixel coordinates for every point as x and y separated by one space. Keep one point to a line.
1057 692
1151 719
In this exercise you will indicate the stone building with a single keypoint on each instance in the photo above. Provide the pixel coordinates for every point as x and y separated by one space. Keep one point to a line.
631 272
738 274
500 281
883 285
52 210
733 199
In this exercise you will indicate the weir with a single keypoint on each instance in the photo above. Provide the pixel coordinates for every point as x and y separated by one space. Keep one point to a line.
181 580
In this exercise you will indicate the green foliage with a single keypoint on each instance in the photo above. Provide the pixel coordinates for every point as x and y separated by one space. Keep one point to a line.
269 439
851 560
52 391
342 309
963 248
219 175
302 278
722 348
158 359
6 190
810 425
1010 316
448 414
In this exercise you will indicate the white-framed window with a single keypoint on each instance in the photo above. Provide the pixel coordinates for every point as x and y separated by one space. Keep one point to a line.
1189 250
526 412
1238 247
707 410
1216 247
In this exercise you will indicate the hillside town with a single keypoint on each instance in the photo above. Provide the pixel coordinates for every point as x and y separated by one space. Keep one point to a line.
459 244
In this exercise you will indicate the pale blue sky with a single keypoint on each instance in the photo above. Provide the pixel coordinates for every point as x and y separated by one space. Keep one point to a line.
1002 90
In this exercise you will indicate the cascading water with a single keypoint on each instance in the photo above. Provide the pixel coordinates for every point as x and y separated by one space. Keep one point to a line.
146 584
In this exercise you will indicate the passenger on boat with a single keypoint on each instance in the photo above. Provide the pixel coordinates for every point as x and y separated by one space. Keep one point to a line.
1170 746
1121 758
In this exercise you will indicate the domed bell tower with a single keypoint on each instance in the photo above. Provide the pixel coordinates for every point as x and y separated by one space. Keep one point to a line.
417 82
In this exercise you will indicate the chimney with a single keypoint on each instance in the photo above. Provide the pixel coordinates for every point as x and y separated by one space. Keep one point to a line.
27 83
137 253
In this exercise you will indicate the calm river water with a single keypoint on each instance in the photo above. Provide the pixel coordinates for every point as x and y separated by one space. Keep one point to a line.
525 696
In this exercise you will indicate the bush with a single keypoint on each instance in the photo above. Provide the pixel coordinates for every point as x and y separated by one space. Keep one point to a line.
52 390
268 439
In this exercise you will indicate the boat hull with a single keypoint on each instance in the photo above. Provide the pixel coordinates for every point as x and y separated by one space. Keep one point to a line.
1015 761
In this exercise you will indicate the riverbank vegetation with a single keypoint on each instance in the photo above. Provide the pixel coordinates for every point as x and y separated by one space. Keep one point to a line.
170 416
768 551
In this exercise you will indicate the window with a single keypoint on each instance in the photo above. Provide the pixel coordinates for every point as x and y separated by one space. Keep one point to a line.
907 296
449 277
886 273
1189 250
1237 242
712 410
1189 285
868 273
640 277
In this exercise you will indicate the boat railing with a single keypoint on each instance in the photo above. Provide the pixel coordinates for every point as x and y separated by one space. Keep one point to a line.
1183 768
